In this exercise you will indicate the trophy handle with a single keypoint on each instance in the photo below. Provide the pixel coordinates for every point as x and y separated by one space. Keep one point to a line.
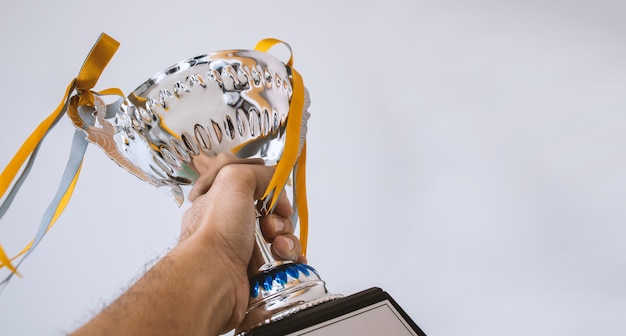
100 131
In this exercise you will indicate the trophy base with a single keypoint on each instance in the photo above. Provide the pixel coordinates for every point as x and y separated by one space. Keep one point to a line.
281 291
370 312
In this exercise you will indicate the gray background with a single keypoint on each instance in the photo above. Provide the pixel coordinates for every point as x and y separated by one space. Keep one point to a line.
467 156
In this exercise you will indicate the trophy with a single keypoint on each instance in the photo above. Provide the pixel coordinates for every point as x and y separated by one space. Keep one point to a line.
174 126
239 104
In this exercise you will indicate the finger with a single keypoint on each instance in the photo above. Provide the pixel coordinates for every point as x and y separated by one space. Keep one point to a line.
275 225
230 199
249 179
283 206
278 221
286 247
209 167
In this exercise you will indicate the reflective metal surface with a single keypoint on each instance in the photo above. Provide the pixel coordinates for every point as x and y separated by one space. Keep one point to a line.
282 291
188 119
173 125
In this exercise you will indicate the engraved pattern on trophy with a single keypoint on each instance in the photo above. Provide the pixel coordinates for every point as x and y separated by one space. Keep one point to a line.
287 276
249 112
227 102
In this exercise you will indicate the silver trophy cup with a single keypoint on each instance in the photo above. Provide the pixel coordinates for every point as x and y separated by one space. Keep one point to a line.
171 128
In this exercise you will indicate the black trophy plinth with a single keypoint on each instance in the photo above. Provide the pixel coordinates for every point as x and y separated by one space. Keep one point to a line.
370 312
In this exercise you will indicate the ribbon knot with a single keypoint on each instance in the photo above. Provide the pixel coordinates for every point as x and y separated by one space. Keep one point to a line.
98 58
85 97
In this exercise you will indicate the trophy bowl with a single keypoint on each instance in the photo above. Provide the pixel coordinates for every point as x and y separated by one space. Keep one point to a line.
169 131
166 130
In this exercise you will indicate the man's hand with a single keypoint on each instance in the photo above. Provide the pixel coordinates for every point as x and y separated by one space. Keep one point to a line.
201 286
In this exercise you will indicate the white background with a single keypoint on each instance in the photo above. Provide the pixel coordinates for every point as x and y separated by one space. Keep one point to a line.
469 157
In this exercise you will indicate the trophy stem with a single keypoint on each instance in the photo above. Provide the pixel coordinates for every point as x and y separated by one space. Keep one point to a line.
262 255
279 289
264 249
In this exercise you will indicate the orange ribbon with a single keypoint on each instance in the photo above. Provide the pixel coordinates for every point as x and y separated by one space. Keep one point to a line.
90 72
290 157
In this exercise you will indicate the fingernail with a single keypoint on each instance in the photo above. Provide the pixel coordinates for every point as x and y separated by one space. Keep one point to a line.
279 224
290 244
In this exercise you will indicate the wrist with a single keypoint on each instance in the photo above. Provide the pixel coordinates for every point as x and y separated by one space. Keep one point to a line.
217 286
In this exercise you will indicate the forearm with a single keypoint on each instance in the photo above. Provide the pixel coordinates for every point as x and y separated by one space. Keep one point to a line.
201 287
183 294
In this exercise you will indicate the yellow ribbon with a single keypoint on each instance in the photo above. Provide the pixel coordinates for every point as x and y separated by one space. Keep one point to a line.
292 147
303 209
90 72
57 213
5 261
98 58
27 148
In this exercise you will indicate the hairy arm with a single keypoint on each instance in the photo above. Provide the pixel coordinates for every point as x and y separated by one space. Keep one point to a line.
201 286
178 296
